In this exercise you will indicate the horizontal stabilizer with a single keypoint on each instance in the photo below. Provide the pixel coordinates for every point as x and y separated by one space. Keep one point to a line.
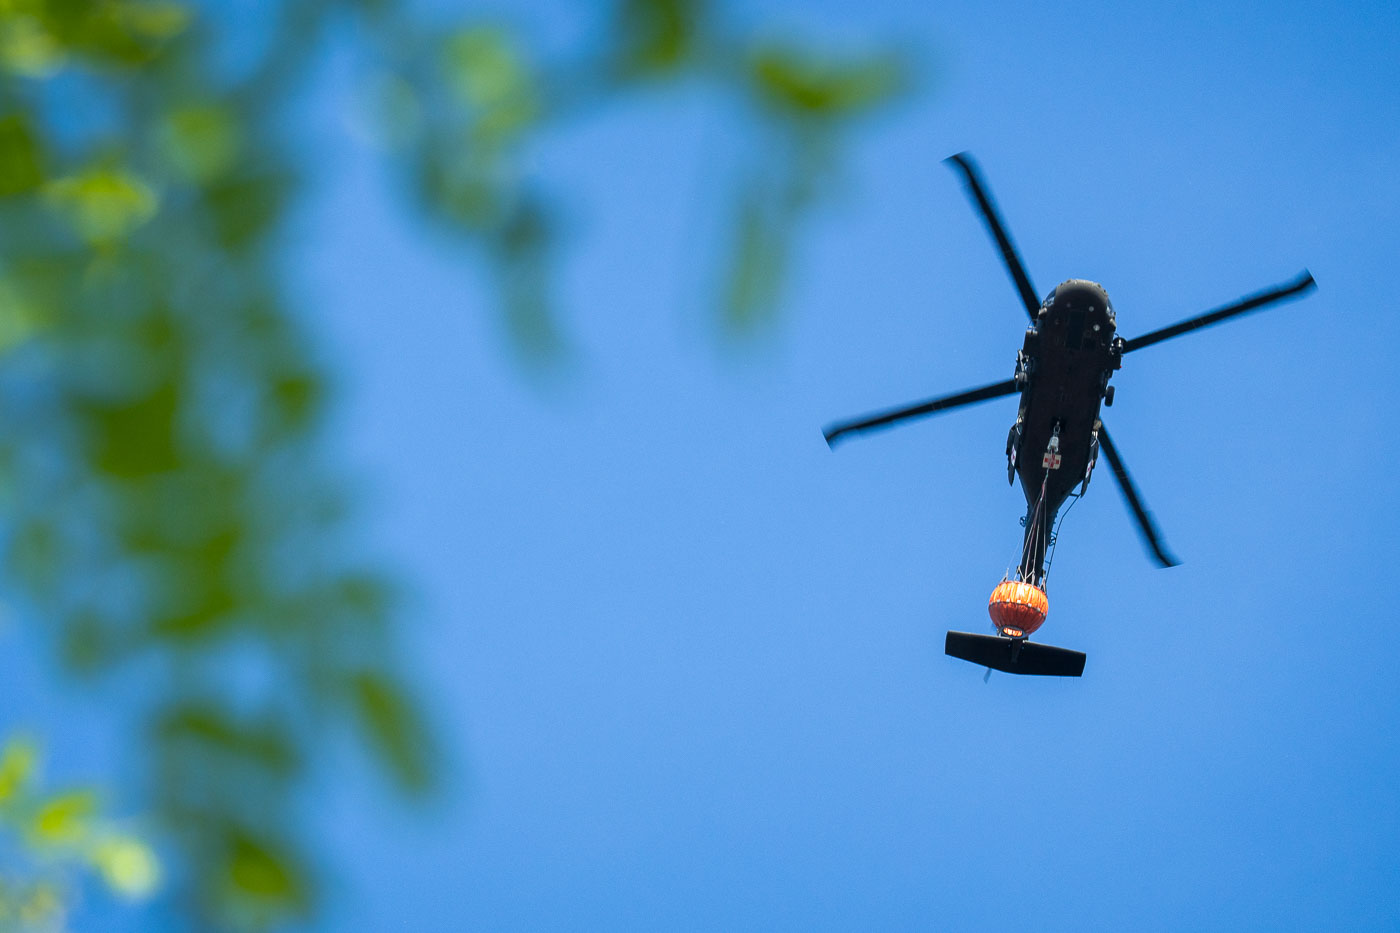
1014 655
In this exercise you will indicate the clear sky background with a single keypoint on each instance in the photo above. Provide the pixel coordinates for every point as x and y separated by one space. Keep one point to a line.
688 662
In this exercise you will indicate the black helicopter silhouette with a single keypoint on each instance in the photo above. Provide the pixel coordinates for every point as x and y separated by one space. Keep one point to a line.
1070 353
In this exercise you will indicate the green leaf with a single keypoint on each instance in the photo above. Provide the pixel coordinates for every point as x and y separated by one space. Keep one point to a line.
244 205
17 765
261 870
296 399
21 316
657 36
27 48
266 745
809 85
202 142
461 182
364 594
395 729
757 266
104 205
486 70
65 818
522 246
484 66
135 438
155 19
40 908
128 865
21 161
121 33
209 613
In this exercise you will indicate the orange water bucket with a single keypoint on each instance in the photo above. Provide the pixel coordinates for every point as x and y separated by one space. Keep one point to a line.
1018 608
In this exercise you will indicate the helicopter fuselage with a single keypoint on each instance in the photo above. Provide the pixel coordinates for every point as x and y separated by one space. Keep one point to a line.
1070 353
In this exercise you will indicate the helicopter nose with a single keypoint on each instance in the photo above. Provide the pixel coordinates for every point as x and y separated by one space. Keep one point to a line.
1082 295
1081 298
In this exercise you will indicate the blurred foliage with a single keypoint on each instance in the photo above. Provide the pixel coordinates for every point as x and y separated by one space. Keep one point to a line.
167 507
168 512
53 842
462 118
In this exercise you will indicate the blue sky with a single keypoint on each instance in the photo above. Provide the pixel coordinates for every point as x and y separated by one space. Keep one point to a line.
688 662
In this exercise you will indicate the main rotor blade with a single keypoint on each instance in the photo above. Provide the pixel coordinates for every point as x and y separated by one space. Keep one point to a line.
923 408
1146 526
994 223
1252 303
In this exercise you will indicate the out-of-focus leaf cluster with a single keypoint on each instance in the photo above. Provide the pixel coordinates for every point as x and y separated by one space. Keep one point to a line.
464 117
38 37
52 841
167 510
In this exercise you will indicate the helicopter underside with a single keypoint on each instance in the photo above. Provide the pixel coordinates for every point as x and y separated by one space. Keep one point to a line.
1065 364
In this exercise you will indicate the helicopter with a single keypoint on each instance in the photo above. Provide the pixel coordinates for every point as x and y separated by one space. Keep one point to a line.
1070 352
